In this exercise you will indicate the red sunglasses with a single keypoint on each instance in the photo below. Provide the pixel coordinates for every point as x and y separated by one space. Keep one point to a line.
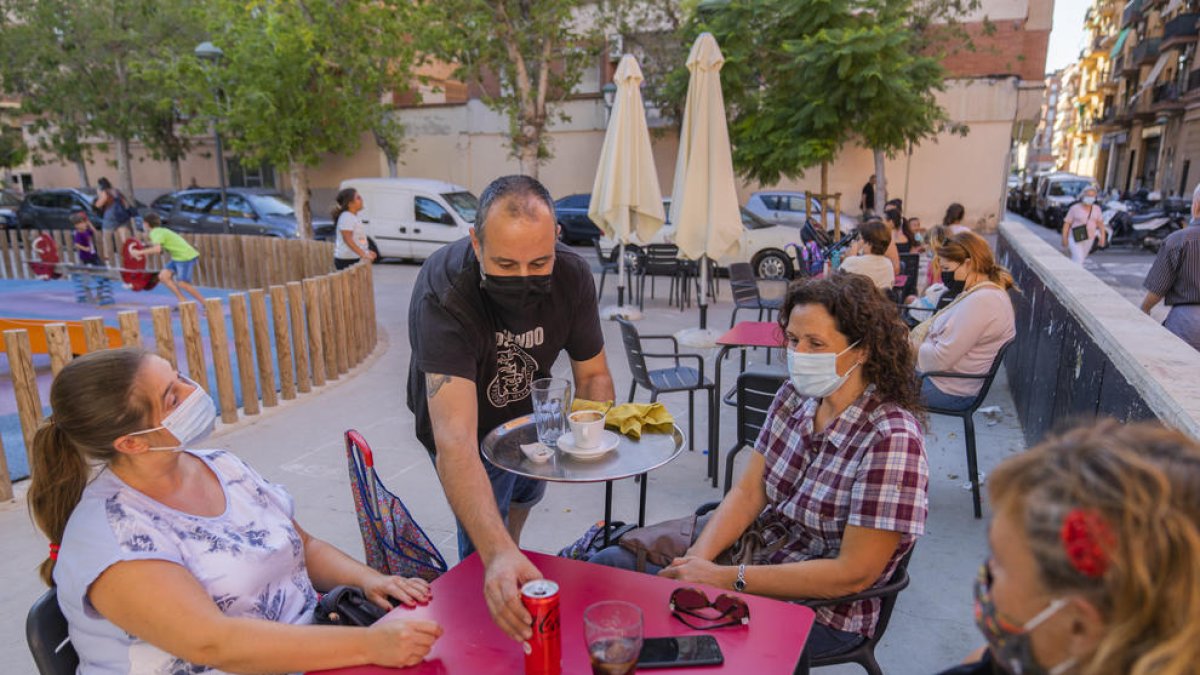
693 602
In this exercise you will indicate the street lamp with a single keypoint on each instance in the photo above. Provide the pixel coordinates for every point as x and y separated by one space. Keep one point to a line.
207 51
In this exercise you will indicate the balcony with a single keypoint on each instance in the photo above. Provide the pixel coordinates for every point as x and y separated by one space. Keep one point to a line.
1193 85
1166 98
1180 31
1145 52
1132 13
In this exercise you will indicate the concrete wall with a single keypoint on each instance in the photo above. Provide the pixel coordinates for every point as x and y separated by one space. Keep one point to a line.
1083 351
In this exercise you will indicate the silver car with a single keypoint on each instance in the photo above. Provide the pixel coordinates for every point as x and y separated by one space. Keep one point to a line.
782 207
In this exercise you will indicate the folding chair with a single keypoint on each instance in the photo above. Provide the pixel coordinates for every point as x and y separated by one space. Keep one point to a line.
393 542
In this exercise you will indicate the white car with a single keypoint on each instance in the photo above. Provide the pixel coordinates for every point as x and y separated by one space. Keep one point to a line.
783 207
764 246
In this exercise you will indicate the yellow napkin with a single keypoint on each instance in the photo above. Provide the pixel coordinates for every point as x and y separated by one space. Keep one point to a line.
631 419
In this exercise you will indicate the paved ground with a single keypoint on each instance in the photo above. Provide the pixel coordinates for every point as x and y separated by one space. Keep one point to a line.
1122 267
299 445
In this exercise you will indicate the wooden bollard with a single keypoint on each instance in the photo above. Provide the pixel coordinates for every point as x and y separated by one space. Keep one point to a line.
94 335
131 328
338 292
283 343
25 387
193 344
164 335
6 258
328 329
243 345
346 303
316 342
58 344
222 367
299 336
262 347
6 489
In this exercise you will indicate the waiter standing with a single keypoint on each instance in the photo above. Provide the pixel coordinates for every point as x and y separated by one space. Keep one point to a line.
1175 278
490 314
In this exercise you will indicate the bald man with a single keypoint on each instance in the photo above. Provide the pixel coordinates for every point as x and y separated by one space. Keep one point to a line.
489 315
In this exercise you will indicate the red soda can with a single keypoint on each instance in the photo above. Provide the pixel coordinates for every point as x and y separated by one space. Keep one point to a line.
543 651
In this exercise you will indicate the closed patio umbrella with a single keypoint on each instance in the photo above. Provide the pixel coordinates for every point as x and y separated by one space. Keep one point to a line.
626 197
704 204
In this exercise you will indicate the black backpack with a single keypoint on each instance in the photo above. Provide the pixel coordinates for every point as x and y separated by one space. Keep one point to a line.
123 211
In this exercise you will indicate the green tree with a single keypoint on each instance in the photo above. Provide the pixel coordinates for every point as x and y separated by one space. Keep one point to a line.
536 49
13 150
301 80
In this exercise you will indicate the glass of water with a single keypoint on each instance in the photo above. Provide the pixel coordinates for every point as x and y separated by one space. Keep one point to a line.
551 405
613 633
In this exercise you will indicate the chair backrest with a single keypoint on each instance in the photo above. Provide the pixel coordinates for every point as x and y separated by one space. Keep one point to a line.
46 633
635 354
756 389
743 285
898 582
910 266
661 258
599 253
991 374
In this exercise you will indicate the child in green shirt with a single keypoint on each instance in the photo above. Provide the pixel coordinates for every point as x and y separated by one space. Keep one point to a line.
177 273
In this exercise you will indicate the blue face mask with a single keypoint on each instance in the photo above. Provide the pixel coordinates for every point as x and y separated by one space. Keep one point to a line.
190 422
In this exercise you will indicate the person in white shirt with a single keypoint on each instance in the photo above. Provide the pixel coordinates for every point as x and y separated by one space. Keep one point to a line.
350 244
953 219
1083 224
868 255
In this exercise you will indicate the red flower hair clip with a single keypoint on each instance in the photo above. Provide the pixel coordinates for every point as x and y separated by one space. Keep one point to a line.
1087 539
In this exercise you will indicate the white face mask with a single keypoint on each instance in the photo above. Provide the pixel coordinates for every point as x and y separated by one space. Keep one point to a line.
190 422
1089 200
815 375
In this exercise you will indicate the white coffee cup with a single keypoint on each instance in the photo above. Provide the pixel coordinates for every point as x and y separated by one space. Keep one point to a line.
586 426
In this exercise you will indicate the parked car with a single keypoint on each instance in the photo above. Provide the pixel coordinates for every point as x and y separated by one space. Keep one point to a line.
572 213
782 207
252 211
764 245
52 209
1055 194
412 217
9 202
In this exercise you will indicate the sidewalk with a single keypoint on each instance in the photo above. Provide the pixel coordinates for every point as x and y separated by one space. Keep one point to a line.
299 444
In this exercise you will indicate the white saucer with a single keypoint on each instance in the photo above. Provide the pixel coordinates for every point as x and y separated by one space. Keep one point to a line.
608 441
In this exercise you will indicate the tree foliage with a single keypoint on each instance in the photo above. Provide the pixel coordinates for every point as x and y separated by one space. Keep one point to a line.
12 147
536 49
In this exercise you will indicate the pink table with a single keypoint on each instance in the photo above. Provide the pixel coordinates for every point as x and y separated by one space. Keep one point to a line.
473 644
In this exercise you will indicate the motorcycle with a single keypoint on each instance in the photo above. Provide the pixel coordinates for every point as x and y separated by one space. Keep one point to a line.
1141 224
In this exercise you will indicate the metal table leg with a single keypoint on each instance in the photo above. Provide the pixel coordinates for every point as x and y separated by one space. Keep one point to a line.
608 508
642 502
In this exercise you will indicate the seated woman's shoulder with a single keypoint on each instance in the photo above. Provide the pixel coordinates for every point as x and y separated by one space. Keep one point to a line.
892 419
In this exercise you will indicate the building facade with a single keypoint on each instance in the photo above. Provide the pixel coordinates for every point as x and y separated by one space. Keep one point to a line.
994 90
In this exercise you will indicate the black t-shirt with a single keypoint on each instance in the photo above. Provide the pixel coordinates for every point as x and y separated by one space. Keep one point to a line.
868 196
455 330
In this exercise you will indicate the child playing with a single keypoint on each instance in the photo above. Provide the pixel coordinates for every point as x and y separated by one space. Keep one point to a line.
177 273
85 242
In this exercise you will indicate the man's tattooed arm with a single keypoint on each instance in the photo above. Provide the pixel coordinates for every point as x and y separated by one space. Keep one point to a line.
434 383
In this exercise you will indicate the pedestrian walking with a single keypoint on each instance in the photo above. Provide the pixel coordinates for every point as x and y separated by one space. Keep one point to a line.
1175 278
867 203
117 211
177 273
952 221
1082 225
350 245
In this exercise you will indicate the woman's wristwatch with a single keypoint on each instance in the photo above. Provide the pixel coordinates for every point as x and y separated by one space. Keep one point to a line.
739 584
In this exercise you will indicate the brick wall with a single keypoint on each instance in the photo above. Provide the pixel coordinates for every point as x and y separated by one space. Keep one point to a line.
1011 49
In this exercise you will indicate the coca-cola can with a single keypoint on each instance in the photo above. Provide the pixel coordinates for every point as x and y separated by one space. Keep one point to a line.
543 651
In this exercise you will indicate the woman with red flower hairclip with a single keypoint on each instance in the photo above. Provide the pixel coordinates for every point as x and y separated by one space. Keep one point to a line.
1095 565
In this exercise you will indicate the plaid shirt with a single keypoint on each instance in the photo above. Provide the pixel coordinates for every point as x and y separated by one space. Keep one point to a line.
866 469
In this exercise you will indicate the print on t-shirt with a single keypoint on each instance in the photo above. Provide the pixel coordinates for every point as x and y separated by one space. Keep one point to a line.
515 368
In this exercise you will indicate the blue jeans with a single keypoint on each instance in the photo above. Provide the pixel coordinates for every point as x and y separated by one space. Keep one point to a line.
822 640
936 398
181 271
509 490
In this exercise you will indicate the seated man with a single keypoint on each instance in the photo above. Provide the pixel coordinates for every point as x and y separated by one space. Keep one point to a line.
838 484
868 256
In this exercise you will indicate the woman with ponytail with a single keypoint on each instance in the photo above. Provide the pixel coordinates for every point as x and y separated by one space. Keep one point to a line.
169 558
965 336
1095 565
350 241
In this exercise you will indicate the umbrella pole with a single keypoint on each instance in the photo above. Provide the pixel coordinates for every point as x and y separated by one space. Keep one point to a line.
704 292
620 274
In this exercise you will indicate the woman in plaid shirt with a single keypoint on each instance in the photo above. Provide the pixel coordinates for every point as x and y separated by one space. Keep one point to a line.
838 484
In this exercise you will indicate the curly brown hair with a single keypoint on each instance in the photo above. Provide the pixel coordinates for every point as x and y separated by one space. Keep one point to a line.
864 315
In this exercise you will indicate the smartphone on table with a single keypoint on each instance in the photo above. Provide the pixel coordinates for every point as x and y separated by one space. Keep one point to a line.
680 652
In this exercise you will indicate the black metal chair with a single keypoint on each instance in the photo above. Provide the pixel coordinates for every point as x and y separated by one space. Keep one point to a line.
49 642
864 653
668 380
660 260
968 416
756 389
744 288
610 264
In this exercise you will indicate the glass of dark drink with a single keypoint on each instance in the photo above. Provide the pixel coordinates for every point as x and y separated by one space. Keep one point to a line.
613 633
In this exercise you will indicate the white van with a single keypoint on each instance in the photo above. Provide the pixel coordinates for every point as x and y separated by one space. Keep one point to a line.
413 217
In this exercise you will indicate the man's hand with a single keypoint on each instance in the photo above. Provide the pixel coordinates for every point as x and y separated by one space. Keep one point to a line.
698 571
502 581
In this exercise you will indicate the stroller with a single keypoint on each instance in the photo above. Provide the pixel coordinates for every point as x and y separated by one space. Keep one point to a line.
392 540
815 247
